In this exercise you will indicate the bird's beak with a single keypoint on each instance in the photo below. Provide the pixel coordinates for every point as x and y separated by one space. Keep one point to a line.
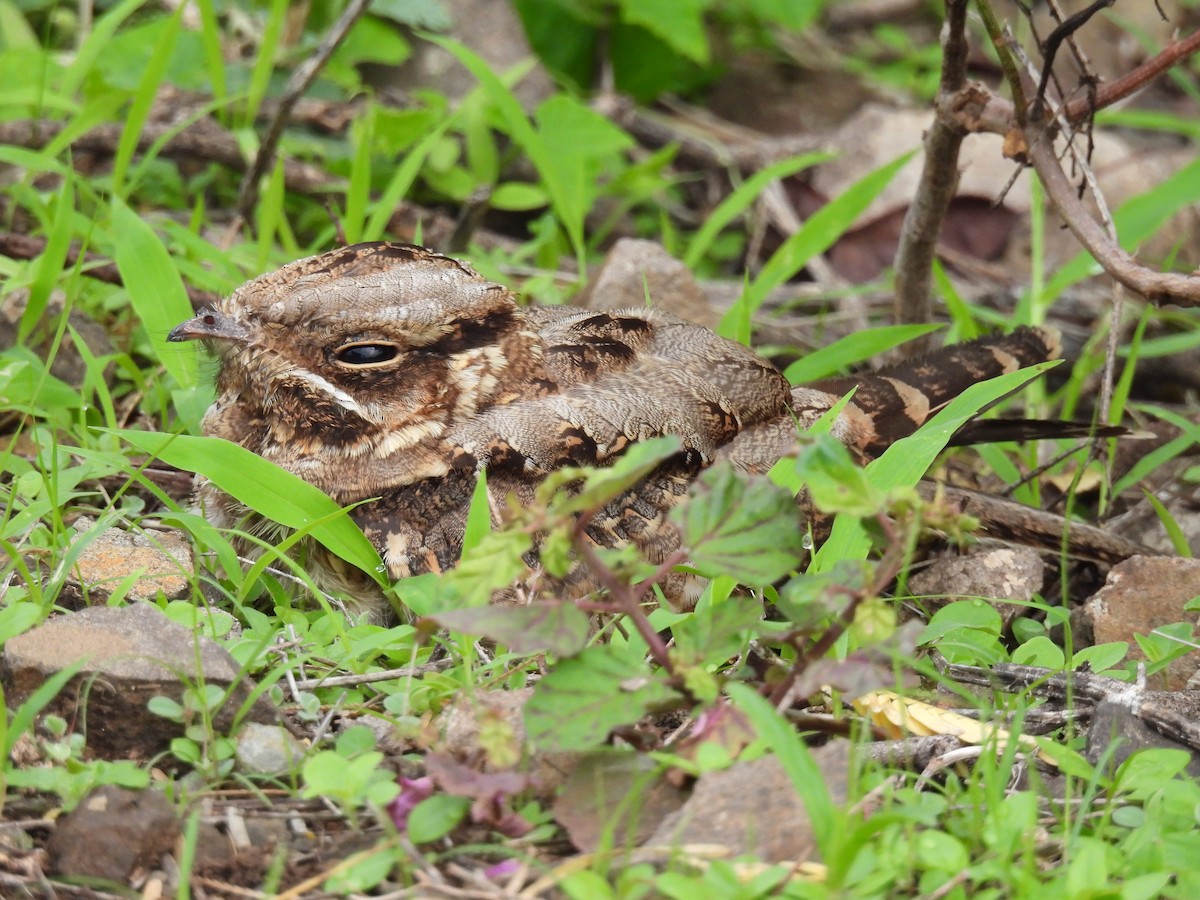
209 324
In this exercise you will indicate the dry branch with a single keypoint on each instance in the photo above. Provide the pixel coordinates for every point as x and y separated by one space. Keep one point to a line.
975 108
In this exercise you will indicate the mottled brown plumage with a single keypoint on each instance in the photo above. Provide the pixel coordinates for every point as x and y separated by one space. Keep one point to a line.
386 370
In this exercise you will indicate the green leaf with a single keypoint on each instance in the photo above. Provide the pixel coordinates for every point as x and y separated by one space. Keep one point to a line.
560 628
17 618
495 562
587 696
746 528
679 23
22 720
602 485
155 289
906 461
835 482
737 202
816 236
49 267
1100 657
853 348
479 515
435 817
516 197
264 487
717 631
810 598
1039 651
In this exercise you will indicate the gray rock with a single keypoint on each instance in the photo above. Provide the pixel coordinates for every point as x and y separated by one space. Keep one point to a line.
267 750
164 559
635 269
113 832
1012 574
128 655
753 807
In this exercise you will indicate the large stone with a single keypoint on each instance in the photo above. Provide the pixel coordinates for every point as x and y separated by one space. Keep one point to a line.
1141 594
127 655
160 561
634 270
112 833
753 807
1011 575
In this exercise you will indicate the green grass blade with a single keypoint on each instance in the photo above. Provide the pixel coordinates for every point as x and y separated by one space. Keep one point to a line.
738 201
264 65
49 267
817 235
565 193
794 756
906 461
359 191
102 33
402 181
214 61
263 486
143 100
853 348
155 289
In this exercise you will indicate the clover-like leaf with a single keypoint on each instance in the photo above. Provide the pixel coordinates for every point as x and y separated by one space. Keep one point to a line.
587 696
747 528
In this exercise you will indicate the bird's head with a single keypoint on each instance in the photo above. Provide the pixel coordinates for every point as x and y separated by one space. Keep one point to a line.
357 356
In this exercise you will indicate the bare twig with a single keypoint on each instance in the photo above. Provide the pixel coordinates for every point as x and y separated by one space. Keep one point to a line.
1132 82
204 141
300 81
939 179
23 246
1157 287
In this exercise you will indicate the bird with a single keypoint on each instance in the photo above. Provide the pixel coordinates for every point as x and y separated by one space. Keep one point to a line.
389 373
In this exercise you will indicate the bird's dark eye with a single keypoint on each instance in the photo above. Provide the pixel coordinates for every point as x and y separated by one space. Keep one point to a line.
366 354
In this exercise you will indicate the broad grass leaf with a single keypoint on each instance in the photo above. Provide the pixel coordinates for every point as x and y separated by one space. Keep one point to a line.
851 349
746 528
557 628
577 705
740 200
264 487
155 289
906 461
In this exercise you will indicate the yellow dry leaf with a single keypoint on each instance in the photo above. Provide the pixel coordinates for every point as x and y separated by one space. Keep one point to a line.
897 715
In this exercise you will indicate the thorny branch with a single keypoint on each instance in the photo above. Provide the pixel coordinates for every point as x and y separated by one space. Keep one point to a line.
974 108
